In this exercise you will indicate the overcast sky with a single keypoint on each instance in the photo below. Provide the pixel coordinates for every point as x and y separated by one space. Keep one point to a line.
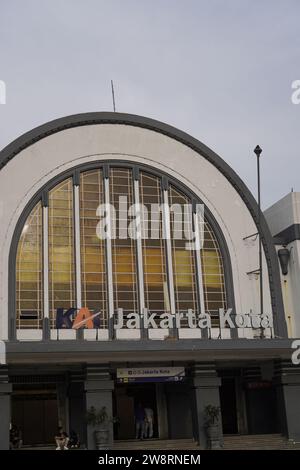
220 70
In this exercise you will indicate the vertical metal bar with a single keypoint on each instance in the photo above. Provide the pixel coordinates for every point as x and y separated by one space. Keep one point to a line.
109 264
259 242
139 254
258 152
199 272
198 262
45 262
77 245
113 95
167 235
46 321
139 250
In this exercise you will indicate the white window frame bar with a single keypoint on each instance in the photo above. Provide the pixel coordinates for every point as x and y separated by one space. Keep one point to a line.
140 273
77 245
198 262
167 236
109 264
45 262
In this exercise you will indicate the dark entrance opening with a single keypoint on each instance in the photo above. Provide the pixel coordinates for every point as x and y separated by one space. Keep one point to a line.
261 409
35 412
179 411
228 405
126 398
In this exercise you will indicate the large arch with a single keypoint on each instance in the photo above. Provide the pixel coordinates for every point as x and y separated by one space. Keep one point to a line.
29 138
105 165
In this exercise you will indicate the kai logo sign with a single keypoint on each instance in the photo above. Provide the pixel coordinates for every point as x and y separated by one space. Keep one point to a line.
77 318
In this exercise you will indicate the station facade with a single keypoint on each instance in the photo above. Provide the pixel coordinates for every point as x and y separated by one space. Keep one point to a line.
129 274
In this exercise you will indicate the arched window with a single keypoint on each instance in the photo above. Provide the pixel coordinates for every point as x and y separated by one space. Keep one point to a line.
29 279
64 261
61 250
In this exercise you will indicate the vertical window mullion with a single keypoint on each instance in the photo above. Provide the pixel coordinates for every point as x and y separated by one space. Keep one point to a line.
77 245
45 259
198 262
140 268
167 236
109 263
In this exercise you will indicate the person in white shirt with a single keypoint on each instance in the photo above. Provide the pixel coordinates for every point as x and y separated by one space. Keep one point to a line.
148 427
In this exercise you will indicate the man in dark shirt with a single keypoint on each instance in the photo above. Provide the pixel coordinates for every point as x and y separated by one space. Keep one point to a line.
139 415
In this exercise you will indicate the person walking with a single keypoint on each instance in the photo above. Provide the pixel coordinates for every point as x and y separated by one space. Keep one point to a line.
149 418
139 415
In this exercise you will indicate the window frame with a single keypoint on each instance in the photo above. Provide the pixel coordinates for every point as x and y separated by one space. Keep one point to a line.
105 165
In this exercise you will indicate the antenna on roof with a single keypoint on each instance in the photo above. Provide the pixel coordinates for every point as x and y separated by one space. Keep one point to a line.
113 95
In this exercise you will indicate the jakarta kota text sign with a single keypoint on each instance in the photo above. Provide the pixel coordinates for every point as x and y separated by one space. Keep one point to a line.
150 374
84 318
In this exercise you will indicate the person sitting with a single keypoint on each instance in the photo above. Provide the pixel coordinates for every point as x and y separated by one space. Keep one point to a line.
15 437
61 439
74 442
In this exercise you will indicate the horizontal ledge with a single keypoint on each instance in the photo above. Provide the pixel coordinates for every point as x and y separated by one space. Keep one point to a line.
187 345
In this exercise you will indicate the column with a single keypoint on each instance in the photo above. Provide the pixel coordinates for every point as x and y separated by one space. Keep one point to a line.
62 402
287 379
99 393
162 411
205 386
5 393
77 411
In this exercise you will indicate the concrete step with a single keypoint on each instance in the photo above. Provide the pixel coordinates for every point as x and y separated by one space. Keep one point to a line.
145 444
232 442
157 444
259 442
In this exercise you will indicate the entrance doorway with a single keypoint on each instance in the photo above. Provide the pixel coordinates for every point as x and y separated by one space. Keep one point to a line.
126 399
262 410
229 405
35 412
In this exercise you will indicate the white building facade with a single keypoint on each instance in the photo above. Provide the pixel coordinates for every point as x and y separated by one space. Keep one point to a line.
65 284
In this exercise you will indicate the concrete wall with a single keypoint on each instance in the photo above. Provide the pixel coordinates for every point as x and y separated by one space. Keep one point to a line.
281 216
283 213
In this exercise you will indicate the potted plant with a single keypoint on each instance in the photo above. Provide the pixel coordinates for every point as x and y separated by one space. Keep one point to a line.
212 425
100 420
